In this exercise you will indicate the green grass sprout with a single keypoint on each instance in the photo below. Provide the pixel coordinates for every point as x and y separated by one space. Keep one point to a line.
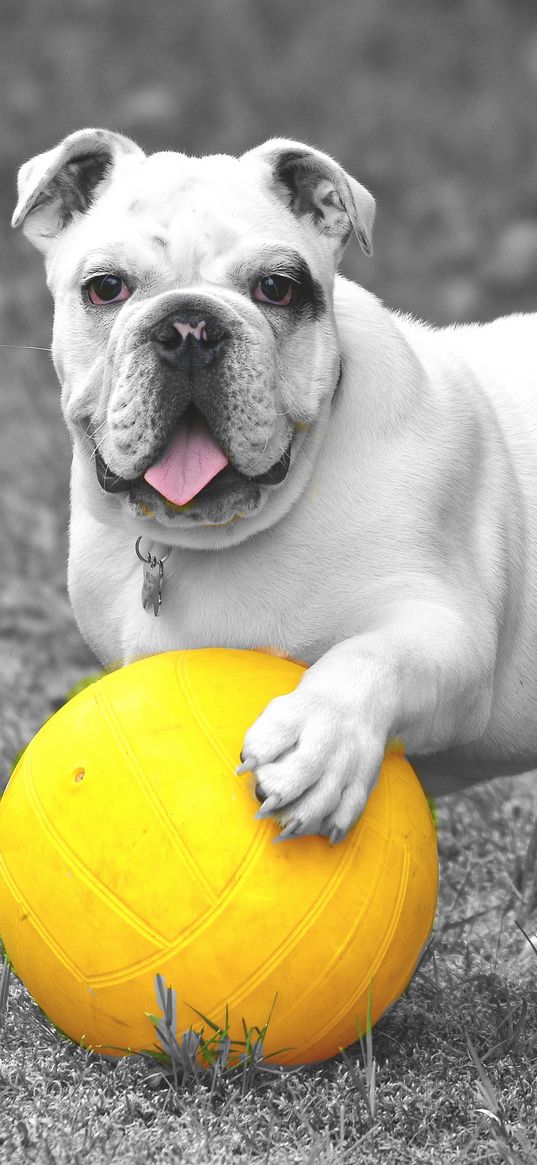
210 1048
5 980
367 1089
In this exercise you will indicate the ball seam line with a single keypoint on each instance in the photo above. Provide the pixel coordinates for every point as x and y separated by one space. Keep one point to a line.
137 771
86 876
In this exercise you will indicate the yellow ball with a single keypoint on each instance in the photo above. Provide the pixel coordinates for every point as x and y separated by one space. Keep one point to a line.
129 848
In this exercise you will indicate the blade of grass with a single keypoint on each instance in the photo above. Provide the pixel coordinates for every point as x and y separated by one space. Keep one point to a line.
5 979
528 938
528 889
485 1085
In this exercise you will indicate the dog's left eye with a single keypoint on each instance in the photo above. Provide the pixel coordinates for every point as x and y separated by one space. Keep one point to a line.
104 289
276 289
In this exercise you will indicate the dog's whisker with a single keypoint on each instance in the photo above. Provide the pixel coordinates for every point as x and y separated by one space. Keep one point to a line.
94 434
97 446
25 347
98 429
94 452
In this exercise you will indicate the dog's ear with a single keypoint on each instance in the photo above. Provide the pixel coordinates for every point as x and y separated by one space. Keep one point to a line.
312 183
55 186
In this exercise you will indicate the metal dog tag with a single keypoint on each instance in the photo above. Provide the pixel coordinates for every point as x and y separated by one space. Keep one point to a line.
153 576
152 585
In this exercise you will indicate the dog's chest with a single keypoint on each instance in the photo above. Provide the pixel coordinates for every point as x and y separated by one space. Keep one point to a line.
208 600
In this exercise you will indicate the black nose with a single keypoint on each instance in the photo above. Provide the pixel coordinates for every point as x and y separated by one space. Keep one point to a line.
194 337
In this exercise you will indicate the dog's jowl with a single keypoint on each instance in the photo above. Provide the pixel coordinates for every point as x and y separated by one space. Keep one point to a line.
299 469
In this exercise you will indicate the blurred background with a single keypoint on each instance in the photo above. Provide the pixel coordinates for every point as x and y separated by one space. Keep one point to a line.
432 104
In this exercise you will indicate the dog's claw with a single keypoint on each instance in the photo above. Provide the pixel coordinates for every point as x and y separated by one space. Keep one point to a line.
336 835
290 830
247 766
269 805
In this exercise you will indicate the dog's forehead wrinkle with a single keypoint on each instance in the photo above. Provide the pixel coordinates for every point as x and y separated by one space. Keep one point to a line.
214 189
172 178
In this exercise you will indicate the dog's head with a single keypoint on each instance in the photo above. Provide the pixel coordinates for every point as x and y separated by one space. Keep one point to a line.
194 332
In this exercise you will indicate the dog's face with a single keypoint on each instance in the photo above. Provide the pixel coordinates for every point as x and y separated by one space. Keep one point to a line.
194 333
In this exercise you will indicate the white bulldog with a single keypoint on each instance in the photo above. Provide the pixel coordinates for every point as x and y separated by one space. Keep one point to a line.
303 471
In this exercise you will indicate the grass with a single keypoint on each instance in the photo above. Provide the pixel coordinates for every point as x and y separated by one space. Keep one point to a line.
206 1048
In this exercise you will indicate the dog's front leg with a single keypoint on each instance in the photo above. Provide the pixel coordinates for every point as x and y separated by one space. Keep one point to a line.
424 675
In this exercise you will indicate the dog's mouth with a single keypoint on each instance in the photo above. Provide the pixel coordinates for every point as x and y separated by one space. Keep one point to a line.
191 464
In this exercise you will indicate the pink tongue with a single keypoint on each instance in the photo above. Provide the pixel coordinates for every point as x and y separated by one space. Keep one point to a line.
191 460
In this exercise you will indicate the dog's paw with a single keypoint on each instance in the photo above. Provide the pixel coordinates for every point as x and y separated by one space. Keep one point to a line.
314 763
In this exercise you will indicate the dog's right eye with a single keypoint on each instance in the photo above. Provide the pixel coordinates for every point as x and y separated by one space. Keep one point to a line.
102 290
278 290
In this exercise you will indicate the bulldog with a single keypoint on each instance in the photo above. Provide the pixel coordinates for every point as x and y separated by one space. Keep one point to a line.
298 469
